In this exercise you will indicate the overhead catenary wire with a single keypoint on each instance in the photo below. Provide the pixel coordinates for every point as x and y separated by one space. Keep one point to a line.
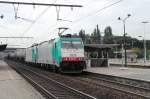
95 12
40 15
18 17
91 14
33 21
77 19
25 3
58 19
109 1
40 4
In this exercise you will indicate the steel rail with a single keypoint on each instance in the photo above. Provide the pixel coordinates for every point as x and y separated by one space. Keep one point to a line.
109 87
105 76
120 90
38 86
49 94
123 91
87 96
130 92
115 82
63 85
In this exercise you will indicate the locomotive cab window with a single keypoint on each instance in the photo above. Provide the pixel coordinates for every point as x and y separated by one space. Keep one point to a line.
72 44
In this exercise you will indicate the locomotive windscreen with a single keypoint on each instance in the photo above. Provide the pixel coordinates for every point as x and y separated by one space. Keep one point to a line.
72 44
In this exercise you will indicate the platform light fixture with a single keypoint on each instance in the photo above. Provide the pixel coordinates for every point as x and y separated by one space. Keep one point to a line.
144 41
124 25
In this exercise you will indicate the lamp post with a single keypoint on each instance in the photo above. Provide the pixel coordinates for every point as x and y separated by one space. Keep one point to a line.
143 45
144 41
124 25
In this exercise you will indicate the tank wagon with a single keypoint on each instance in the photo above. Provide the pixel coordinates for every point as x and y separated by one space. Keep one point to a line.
20 54
64 54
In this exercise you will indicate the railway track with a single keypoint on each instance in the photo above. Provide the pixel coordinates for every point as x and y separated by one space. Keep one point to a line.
50 88
139 84
134 87
99 87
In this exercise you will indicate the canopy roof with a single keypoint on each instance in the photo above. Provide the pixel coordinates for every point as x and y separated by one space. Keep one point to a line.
3 47
97 47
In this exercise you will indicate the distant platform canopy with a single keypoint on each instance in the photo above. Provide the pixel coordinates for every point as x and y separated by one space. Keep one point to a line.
97 47
3 47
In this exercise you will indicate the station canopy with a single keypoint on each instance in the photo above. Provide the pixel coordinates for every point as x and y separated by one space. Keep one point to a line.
3 47
98 47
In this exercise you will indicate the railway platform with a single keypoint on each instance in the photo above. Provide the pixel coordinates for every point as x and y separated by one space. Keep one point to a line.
126 72
13 86
138 64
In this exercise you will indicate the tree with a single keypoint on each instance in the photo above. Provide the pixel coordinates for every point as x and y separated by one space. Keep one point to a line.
108 37
93 36
96 36
82 35
87 40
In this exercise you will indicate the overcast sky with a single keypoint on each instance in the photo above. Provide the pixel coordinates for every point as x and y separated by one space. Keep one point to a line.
42 25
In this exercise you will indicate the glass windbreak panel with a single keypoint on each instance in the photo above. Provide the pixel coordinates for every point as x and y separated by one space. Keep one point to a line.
72 44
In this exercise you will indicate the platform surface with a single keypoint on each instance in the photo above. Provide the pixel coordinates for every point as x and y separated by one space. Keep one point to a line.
13 86
127 72
139 62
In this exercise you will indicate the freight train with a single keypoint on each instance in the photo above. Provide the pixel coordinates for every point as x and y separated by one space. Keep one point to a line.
64 54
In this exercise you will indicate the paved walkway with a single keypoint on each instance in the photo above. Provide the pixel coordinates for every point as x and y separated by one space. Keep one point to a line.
13 86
